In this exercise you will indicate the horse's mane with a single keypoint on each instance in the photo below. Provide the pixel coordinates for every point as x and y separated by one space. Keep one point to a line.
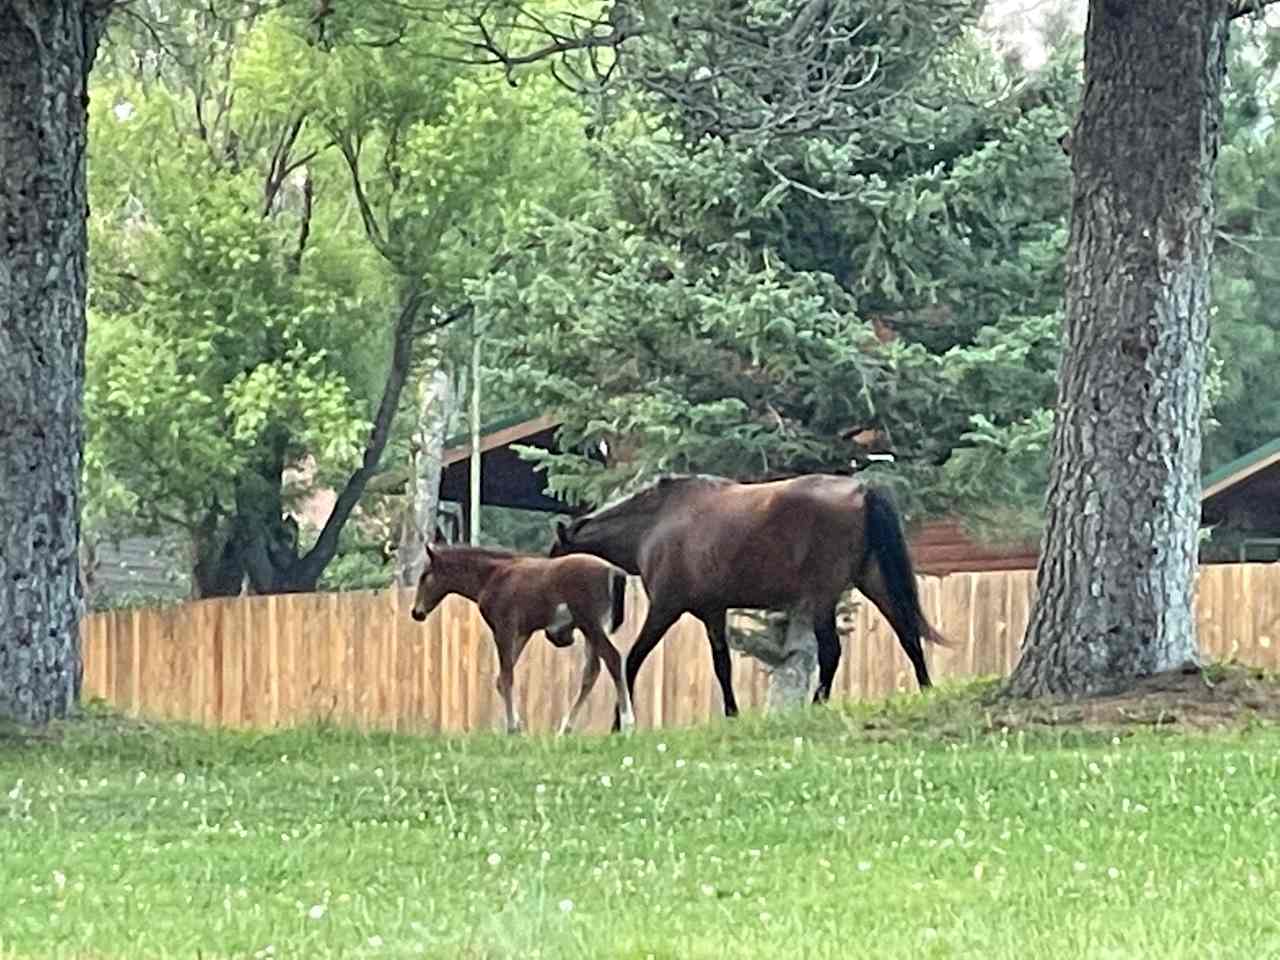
654 492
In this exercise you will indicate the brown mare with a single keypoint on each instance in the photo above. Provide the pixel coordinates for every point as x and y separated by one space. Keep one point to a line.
704 545
520 594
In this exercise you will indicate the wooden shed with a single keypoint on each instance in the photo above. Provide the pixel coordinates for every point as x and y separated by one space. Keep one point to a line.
1240 502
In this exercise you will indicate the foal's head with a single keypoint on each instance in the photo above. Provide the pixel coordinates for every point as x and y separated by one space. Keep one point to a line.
432 587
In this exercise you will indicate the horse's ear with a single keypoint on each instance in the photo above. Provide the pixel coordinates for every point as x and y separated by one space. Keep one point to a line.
431 554
562 531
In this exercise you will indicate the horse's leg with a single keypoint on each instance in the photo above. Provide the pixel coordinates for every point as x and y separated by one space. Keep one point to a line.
590 671
508 654
718 638
824 625
871 583
625 717
656 623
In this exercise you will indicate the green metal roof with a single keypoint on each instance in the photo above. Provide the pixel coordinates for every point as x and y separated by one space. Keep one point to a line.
512 420
1241 464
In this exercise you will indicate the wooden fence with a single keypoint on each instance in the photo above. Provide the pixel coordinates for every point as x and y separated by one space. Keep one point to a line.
358 658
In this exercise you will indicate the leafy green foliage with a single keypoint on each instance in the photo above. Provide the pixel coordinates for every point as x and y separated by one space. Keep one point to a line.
219 341
266 210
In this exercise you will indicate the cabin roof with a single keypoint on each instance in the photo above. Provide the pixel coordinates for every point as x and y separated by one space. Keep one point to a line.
1239 470
499 433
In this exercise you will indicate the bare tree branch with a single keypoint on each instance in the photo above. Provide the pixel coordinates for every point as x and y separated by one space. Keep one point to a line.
349 147
304 228
741 71
326 545
1243 8
280 165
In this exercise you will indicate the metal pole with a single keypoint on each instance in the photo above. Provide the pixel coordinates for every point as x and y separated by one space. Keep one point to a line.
475 438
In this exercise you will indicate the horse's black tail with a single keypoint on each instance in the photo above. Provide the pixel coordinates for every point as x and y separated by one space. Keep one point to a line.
618 591
887 542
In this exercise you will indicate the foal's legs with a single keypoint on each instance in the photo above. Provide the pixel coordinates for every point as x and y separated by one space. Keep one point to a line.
590 671
656 623
872 585
509 650
824 625
718 637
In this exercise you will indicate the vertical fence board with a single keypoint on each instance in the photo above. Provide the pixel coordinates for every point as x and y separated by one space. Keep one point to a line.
429 649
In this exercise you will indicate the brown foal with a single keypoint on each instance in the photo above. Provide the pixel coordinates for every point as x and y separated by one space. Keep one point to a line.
519 594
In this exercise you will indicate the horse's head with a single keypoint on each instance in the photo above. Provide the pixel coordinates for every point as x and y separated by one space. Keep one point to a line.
431 589
562 543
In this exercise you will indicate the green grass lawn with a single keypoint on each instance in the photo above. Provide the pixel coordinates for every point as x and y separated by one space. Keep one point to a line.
792 837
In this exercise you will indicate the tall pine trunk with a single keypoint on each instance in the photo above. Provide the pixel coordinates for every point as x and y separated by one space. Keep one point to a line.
46 51
1118 563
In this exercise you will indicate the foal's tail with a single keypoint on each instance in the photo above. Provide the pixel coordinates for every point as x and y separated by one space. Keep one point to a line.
618 594
886 542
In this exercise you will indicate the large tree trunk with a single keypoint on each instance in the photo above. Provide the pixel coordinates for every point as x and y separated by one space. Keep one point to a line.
1117 569
46 51
419 523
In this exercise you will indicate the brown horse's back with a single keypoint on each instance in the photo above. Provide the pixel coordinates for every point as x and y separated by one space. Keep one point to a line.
759 544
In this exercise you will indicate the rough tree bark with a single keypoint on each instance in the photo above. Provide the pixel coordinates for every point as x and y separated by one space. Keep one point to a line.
46 52
424 486
1118 563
